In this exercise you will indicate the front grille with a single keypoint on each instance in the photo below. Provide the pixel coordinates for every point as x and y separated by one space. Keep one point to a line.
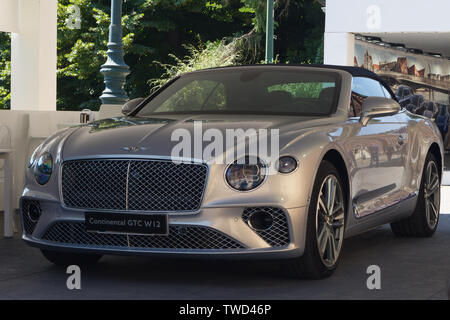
180 237
143 185
278 234
29 224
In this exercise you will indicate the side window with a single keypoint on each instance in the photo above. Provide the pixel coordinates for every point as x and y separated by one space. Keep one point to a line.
367 87
387 94
363 88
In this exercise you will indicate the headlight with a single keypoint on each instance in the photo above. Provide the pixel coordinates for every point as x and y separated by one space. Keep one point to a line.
246 175
287 164
43 168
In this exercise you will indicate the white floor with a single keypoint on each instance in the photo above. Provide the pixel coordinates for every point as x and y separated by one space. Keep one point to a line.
445 200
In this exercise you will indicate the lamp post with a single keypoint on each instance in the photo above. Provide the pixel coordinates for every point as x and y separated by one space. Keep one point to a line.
269 31
115 69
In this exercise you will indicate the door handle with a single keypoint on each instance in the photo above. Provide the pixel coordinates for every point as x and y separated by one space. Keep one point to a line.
402 139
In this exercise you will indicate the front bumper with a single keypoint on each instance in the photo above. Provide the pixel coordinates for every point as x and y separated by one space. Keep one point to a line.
214 231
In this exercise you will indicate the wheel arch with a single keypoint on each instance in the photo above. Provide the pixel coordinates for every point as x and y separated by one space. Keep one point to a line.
436 152
334 157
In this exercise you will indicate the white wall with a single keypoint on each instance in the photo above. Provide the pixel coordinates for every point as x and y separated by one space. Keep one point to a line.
416 23
339 48
366 16
33 55
9 15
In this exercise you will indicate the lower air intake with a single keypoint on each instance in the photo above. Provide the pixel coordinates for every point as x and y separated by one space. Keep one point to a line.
180 237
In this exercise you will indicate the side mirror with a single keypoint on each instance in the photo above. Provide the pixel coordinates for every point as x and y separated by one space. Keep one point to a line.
131 105
378 107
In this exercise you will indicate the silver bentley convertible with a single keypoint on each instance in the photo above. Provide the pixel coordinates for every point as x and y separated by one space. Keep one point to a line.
157 181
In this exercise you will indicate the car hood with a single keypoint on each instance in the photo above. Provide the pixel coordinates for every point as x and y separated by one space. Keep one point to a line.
153 135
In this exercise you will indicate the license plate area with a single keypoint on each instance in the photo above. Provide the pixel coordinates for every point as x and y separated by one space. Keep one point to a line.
125 223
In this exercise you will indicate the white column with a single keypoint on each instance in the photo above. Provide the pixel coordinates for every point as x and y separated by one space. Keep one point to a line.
33 56
8 198
339 48
9 16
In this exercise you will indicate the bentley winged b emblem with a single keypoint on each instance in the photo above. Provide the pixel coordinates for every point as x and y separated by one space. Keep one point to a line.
133 149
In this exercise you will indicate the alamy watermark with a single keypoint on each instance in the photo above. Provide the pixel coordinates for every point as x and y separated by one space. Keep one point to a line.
74 19
374 280
373 17
214 146
74 280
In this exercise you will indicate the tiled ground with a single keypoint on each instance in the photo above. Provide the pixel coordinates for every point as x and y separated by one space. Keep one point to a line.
410 269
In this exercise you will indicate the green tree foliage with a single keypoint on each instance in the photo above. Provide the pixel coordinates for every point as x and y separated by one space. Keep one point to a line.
210 55
299 34
153 30
180 34
5 70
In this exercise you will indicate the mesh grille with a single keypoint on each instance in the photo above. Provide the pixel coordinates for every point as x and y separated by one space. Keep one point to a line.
180 237
189 237
28 224
152 185
278 234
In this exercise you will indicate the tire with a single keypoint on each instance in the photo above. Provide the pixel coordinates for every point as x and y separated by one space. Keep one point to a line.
419 224
64 259
316 263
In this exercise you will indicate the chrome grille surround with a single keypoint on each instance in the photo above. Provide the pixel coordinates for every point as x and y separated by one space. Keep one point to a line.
278 234
191 237
150 185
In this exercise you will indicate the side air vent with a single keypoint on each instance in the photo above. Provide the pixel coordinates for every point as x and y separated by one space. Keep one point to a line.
31 212
269 223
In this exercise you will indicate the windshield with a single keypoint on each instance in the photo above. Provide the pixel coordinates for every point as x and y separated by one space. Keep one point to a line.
248 90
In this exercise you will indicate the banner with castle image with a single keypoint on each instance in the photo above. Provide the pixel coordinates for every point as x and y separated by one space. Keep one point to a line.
426 75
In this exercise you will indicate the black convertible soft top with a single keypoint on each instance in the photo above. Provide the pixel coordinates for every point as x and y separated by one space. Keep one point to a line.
355 72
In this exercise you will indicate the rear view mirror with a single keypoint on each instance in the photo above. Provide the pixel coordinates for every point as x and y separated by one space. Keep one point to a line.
378 107
131 105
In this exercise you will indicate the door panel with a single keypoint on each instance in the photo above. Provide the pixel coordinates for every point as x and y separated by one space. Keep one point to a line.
379 160
378 152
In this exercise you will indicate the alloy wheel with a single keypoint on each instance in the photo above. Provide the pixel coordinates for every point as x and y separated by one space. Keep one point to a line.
432 195
330 220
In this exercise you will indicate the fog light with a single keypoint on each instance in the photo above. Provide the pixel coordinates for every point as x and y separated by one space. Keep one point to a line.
34 212
260 220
